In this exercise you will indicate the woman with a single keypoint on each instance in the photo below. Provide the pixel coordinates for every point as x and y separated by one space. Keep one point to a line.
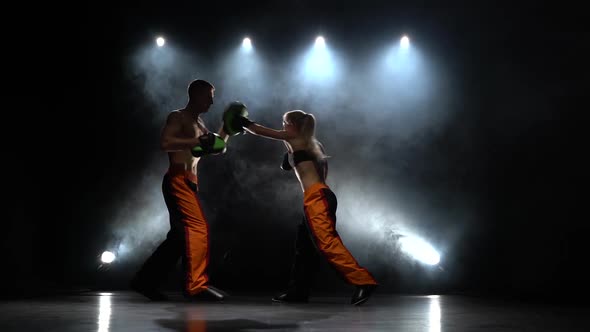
317 233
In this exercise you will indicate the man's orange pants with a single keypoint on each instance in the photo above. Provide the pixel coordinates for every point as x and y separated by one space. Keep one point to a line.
188 237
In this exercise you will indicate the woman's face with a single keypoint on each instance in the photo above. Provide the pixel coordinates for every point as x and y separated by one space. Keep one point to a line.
288 126
286 122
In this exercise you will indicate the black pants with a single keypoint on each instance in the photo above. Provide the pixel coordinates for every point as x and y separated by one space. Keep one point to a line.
163 260
307 258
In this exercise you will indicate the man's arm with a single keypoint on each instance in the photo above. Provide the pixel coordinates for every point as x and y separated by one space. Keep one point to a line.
170 140
222 133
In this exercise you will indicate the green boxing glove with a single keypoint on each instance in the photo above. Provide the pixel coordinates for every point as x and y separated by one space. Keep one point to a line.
235 118
209 143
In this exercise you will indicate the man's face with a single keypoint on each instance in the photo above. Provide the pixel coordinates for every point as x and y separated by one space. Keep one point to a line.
205 100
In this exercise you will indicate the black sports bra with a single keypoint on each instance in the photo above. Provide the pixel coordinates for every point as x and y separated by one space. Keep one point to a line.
291 160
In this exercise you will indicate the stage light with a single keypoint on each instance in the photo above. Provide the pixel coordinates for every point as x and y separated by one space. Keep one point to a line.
420 250
160 41
320 42
107 257
405 42
247 44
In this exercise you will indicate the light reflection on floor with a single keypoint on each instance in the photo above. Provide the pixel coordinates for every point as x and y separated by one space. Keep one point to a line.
127 311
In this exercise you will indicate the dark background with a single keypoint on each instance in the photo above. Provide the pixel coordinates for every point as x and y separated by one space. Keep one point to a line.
512 147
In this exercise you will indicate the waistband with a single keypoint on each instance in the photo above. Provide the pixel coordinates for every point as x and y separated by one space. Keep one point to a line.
314 189
180 169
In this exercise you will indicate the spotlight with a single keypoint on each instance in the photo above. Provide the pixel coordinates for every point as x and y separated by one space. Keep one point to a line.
320 42
247 43
160 41
107 257
420 250
405 42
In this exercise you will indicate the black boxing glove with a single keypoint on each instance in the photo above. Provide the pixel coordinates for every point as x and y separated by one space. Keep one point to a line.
286 165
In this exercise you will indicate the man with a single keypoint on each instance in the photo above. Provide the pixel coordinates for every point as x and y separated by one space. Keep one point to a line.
188 238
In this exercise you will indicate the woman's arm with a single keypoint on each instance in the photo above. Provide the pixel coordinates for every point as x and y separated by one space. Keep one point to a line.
263 131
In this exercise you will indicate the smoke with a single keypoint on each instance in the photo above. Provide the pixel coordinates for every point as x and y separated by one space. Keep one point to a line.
161 76
380 117
141 219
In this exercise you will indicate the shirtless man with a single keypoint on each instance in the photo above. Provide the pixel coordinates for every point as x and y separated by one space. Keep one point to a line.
188 237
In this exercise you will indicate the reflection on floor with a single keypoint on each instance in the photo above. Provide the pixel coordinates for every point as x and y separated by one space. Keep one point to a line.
128 311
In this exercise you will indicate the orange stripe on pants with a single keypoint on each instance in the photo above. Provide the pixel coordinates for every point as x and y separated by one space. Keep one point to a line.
183 203
322 223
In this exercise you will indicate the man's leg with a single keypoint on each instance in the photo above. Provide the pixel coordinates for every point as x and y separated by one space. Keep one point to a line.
195 254
156 268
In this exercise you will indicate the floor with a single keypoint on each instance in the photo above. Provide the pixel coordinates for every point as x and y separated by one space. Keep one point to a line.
128 311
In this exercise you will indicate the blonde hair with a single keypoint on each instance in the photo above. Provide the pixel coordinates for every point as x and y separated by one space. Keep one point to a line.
305 124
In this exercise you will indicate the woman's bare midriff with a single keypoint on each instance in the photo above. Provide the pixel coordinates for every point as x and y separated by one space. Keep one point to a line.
307 174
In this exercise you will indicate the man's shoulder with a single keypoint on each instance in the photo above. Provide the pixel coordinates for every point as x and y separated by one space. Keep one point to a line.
200 121
174 115
176 111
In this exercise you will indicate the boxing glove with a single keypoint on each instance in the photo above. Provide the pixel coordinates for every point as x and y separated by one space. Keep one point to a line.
209 143
233 118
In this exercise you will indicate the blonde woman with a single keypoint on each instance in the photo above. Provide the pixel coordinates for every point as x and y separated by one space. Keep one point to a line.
317 235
